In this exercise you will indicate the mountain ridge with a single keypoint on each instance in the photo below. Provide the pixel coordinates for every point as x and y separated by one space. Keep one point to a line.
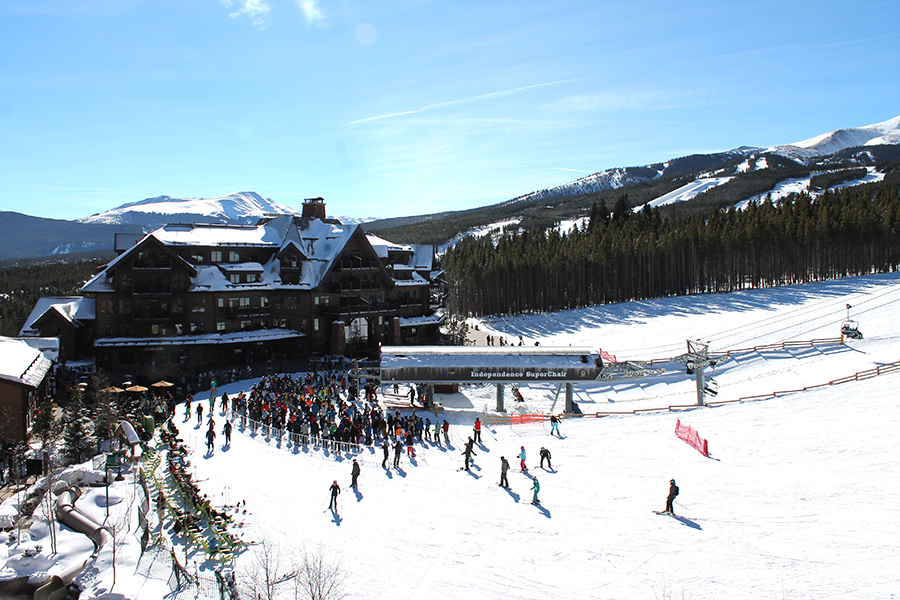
643 184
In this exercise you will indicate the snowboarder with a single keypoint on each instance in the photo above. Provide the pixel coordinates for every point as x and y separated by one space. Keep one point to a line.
521 458
477 429
199 414
673 493
536 487
335 490
355 474
227 431
210 440
545 454
469 453
504 467
387 453
554 425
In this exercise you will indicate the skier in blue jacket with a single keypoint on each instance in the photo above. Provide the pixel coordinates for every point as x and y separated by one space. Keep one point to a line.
536 487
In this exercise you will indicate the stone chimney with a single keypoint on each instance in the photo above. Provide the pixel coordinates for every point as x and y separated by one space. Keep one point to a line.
314 207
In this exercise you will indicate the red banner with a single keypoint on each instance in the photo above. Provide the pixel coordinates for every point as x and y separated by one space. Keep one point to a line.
690 435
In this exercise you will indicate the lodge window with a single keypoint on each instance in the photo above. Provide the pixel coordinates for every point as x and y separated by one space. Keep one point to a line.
220 326
124 307
235 277
198 305
215 256
315 324
290 302
197 258
245 324
196 327
234 256
106 306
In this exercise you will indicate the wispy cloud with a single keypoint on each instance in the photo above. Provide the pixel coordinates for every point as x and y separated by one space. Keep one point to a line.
311 11
646 100
479 98
257 11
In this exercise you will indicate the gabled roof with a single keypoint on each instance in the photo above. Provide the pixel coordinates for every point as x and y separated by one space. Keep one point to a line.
22 364
101 282
71 308
319 243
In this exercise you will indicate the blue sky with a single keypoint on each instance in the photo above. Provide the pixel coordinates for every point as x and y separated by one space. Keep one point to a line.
390 108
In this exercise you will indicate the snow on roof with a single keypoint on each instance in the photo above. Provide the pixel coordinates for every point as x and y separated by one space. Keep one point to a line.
415 281
48 345
423 257
484 351
420 321
238 337
383 246
204 234
247 267
71 308
21 363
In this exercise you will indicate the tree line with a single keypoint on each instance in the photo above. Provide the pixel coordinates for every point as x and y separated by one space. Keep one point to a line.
21 287
621 256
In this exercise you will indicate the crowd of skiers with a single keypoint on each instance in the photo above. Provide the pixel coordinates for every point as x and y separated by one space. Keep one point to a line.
317 406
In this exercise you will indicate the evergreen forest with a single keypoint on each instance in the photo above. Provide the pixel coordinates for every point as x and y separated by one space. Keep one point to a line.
21 287
621 255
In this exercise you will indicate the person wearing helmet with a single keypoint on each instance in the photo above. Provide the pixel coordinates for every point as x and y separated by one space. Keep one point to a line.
335 490
673 492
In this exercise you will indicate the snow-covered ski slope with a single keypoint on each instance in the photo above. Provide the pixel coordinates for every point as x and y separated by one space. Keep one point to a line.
798 501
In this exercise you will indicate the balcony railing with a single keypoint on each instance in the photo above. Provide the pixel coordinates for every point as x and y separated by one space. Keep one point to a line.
240 312
357 265
148 264
152 290
354 286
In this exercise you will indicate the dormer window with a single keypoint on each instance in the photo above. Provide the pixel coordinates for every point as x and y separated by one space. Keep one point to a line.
234 256
215 256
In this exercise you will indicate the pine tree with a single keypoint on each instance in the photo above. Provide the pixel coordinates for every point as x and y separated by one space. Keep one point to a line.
77 445
46 427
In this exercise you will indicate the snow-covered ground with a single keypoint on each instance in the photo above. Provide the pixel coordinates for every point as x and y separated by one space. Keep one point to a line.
799 499
686 192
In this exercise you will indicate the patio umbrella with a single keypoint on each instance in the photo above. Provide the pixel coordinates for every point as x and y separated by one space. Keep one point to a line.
113 390
136 388
161 384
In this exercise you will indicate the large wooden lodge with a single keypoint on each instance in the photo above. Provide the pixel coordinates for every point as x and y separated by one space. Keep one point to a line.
190 297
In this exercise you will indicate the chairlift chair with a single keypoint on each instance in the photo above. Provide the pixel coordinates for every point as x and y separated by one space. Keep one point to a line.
850 328
711 386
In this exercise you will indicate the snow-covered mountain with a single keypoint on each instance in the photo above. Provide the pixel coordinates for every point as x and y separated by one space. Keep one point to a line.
884 133
619 177
239 207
